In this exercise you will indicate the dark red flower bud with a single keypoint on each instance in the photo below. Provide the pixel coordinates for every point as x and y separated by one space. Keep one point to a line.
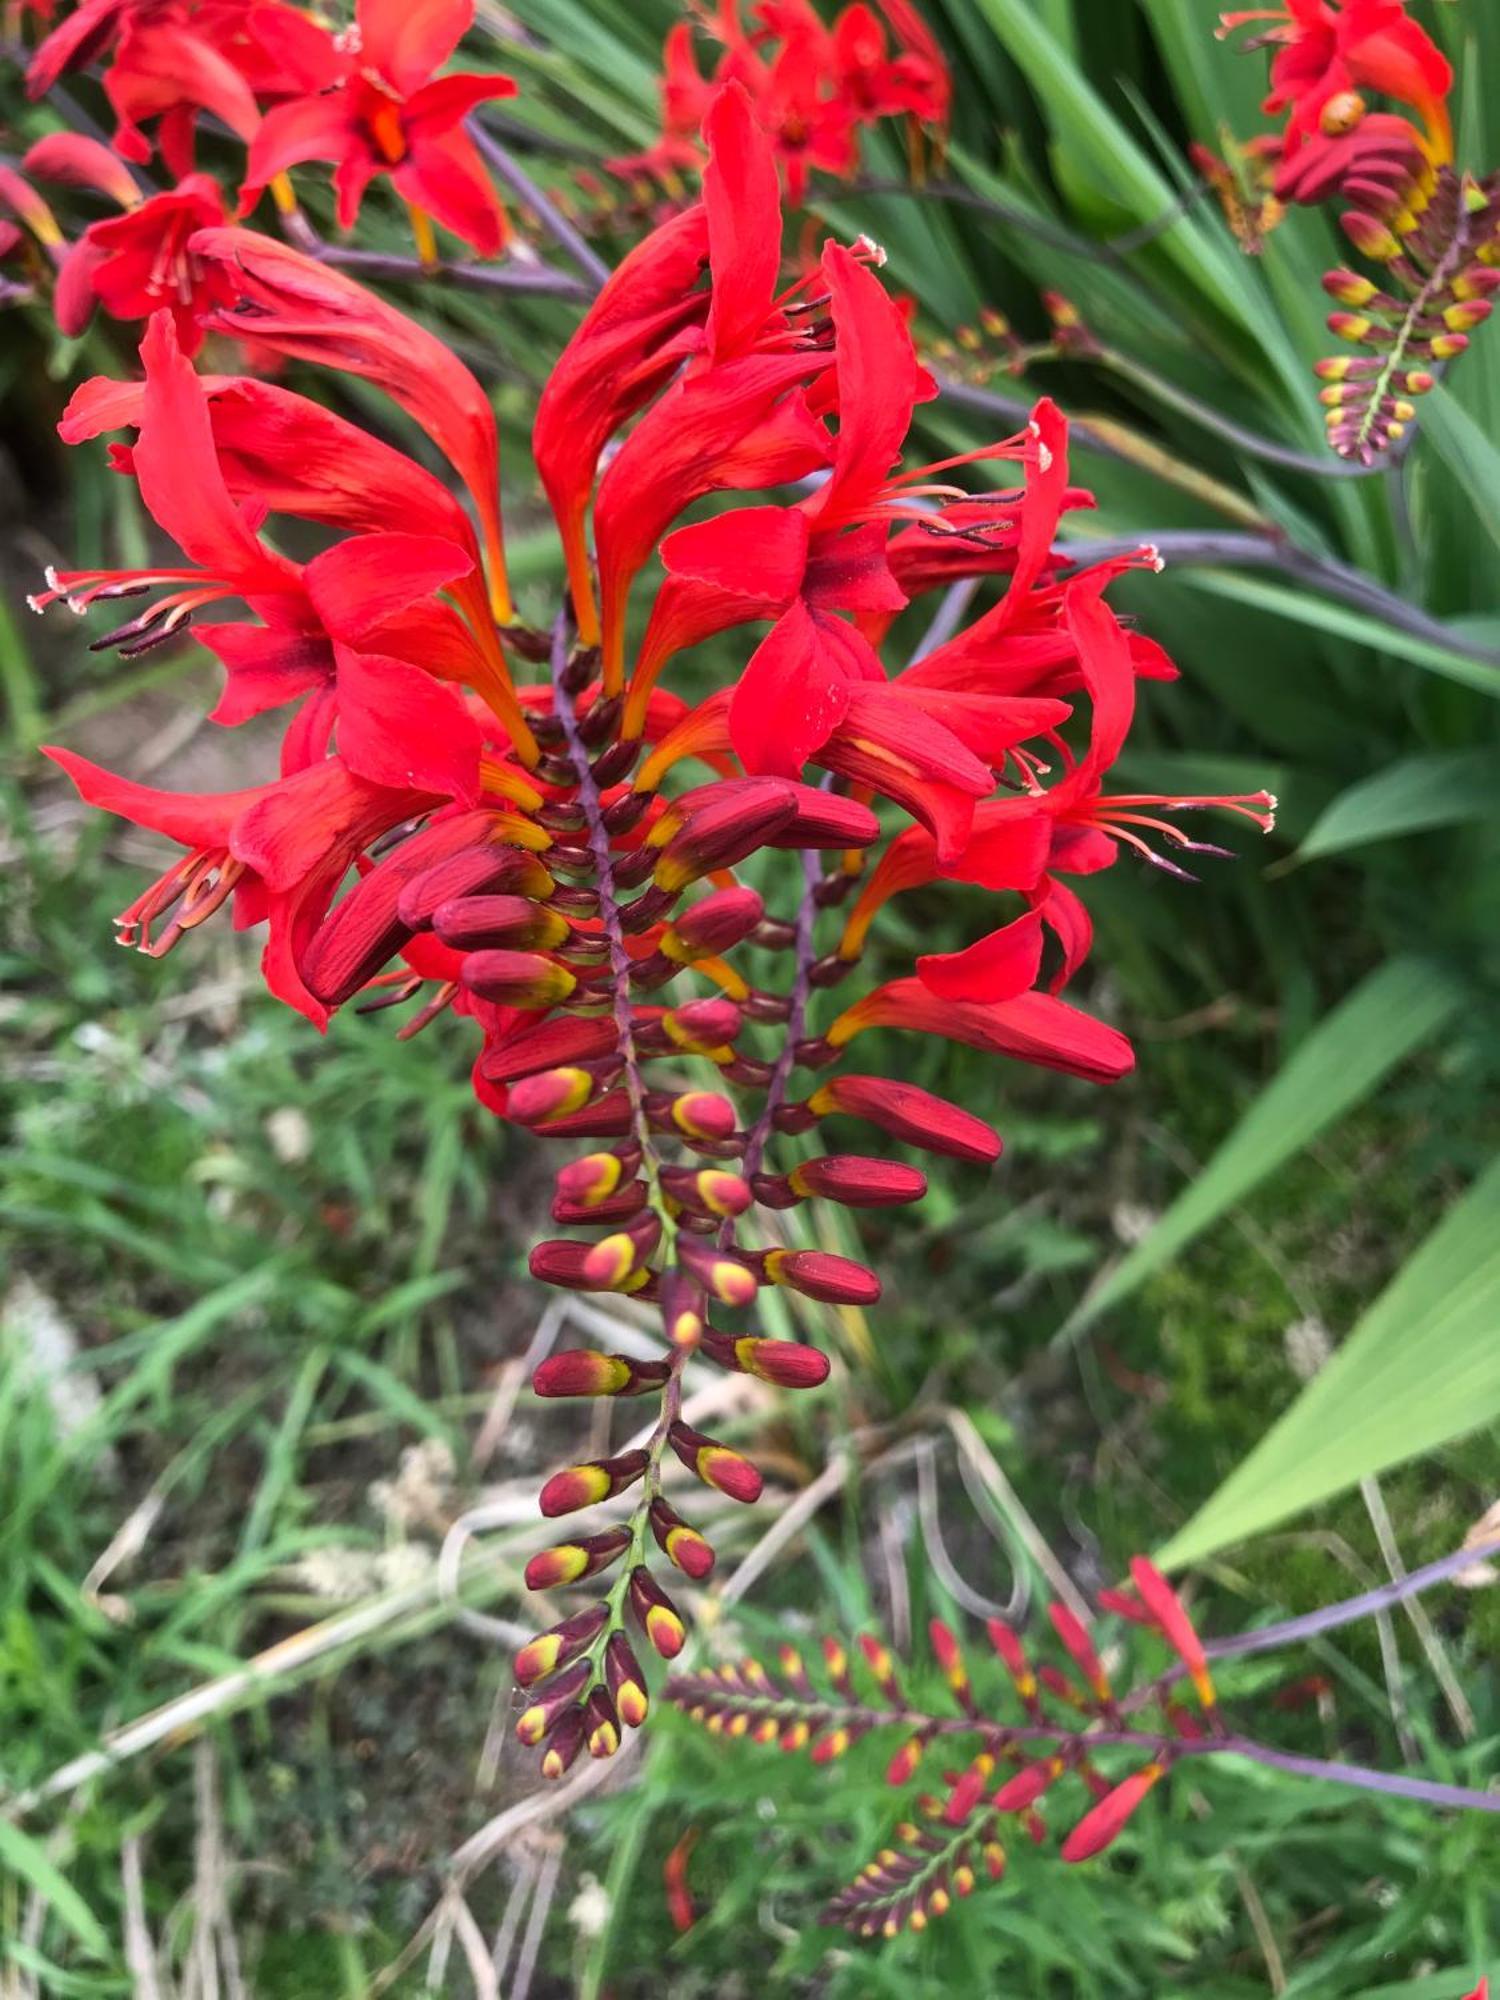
1166 1608
724 1277
950 1658
572 1038
542 1714
718 825
683 1546
1104 1822
590 1180
708 1190
882 1666
699 1114
625 1681
818 1274
564 1745
586 1485
570 1562
367 927
857 1181
703 1025
561 1261
517 978
787 1363
476 871
903 1765
549 1094
609 1117
1013 1654
909 1113
714 925
1027 1786
584 1371
683 1309
484 923
548 1651
1080 1649
656 1614
601 1724
967 1793
715 1464
825 819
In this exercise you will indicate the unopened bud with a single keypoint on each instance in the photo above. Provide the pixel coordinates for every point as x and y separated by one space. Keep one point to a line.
570 1562
568 1040
911 1114
483 923
787 1363
714 925
517 978
858 1181
625 1681
656 1614
586 1485
715 1464
1370 236
543 1713
544 1654
584 1371
724 1277
818 1274
683 1546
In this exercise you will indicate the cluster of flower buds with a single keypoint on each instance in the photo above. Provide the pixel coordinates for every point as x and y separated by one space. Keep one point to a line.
815 85
1404 204
954 1836
1442 267
977 352
648 954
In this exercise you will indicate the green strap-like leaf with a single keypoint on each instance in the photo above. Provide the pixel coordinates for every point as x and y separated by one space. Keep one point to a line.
1421 1367
1398 1007
1409 796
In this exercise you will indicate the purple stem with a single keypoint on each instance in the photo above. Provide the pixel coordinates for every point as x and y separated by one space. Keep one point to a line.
1226 549
533 280
553 220
1290 1631
855 1716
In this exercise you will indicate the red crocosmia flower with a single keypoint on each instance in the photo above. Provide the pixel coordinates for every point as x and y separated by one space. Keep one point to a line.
1481 1991
167 72
139 262
280 849
325 626
1031 1027
388 112
1326 54
814 87
297 307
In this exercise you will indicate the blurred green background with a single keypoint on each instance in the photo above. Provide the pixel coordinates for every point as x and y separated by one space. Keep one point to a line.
266 1300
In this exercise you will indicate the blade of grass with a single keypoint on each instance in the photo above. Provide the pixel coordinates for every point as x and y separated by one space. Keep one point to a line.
1401 1005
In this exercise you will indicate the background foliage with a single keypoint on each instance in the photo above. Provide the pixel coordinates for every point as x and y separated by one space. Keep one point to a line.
264 1295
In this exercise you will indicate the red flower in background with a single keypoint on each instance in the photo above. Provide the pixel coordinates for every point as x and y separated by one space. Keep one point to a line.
383 110
139 262
814 87
1326 54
